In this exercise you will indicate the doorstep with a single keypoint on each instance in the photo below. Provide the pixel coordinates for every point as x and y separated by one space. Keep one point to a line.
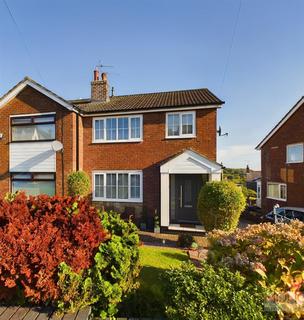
178 227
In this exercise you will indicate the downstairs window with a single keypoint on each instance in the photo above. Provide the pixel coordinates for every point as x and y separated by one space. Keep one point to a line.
118 186
277 191
34 183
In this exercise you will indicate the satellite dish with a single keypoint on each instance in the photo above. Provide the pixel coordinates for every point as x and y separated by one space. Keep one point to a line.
57 145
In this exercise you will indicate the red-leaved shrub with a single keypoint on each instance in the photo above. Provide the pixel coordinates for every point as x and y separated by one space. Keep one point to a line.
36 235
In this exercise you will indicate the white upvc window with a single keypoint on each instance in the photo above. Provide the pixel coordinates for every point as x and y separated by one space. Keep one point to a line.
180 125
118 186
118 129
295 153
277 191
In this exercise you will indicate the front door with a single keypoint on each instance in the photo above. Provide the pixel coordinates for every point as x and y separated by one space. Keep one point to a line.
186 190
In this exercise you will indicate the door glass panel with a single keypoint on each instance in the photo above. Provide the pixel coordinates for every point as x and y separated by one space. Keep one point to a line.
188 201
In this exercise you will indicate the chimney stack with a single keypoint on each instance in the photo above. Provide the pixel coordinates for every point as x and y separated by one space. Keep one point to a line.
99 87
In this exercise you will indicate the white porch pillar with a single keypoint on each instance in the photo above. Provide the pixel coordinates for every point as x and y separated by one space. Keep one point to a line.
164 200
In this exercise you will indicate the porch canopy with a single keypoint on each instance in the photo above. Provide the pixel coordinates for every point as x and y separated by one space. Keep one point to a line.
187 162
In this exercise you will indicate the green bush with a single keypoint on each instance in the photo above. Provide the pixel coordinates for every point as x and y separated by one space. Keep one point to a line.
112 276
220 204
211 294
185 240
78 183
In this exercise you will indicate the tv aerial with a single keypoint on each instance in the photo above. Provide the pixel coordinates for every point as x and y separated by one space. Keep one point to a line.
219 131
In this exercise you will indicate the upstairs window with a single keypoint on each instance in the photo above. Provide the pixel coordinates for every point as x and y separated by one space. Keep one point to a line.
180 125
117 129
295 153
277 191
117 186
33 128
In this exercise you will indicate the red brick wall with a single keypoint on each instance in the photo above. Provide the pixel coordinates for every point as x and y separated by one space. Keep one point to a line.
27 102
275 168
148 154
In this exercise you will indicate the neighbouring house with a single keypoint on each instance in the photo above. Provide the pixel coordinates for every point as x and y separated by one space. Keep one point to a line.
282 161
145 153
253 182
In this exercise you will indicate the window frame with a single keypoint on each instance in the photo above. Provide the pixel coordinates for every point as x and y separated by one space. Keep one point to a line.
32 123
129 172
292 145
32 178
279 184
129 117
181 135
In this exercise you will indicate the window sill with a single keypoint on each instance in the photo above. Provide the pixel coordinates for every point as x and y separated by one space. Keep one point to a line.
294 162
276 199
180 137
118 200
116 141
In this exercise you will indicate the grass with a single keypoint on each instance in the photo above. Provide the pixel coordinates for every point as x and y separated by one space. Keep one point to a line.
148 300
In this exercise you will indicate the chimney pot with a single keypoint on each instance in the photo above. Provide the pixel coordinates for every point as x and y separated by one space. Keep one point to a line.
96 75
104 76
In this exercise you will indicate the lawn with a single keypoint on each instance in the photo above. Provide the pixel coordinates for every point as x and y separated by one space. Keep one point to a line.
149 297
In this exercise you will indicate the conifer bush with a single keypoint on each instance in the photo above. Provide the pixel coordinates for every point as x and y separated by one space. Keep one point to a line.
220 204
78 183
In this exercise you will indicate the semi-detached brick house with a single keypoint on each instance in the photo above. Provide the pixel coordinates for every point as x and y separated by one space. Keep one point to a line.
282 159
145 153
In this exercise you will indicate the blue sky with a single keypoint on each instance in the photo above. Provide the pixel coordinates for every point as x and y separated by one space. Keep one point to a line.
160 45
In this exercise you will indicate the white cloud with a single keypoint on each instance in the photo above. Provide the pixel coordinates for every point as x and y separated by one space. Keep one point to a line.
238 156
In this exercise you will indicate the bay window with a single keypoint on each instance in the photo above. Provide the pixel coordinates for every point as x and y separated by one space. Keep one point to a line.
117 186
180 125
33 128
117 129
277 191
33 183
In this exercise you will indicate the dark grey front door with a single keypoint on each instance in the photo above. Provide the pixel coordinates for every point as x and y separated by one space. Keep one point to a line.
187 187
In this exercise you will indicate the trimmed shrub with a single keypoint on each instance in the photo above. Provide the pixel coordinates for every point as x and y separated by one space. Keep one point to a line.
212 294
220 204
112 276
36 235
269 254
185 240
78 183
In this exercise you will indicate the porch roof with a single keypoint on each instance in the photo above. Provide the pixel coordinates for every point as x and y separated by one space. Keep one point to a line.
190 162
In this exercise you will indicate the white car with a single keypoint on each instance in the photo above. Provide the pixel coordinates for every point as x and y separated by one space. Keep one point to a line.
286 214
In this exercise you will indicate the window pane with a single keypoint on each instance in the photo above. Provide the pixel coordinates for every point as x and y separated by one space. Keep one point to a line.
21 120
273 190
99 129
111 128
173 125
135 128
44 119
123 185
187 123
111 185
135 186
34 187
123 129
283 192
99 185
34 132
295 153
22 176
43 176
